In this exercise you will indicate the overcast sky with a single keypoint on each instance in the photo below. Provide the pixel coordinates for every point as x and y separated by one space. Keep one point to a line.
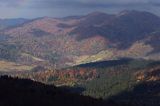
61 8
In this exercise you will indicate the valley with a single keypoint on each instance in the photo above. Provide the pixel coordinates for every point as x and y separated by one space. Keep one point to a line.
108 57
110 80
64 42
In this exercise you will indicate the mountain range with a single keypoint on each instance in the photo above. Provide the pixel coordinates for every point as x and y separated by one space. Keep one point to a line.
114 58
73 40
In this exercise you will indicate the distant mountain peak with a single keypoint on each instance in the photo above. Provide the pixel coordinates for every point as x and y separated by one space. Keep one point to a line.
124 12
135 12
97 13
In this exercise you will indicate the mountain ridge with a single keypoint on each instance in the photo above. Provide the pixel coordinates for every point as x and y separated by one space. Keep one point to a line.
96 36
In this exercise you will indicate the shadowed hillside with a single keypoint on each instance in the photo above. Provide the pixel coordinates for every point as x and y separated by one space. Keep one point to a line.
143 94
106 63
23 92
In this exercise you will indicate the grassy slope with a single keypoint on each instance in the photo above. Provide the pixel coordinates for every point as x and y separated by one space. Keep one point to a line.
6 66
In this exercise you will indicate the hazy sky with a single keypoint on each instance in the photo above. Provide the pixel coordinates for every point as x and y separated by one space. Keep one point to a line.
61 8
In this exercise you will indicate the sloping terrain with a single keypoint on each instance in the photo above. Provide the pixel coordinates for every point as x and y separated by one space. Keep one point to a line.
140 87
61 42
110 56
6 66
122 81
24 92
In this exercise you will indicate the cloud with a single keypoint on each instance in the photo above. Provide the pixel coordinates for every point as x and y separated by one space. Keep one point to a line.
11 3
91 3
74 3
56 8
78 3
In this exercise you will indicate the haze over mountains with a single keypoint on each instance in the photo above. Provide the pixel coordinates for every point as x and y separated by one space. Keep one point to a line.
74 40
115 57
